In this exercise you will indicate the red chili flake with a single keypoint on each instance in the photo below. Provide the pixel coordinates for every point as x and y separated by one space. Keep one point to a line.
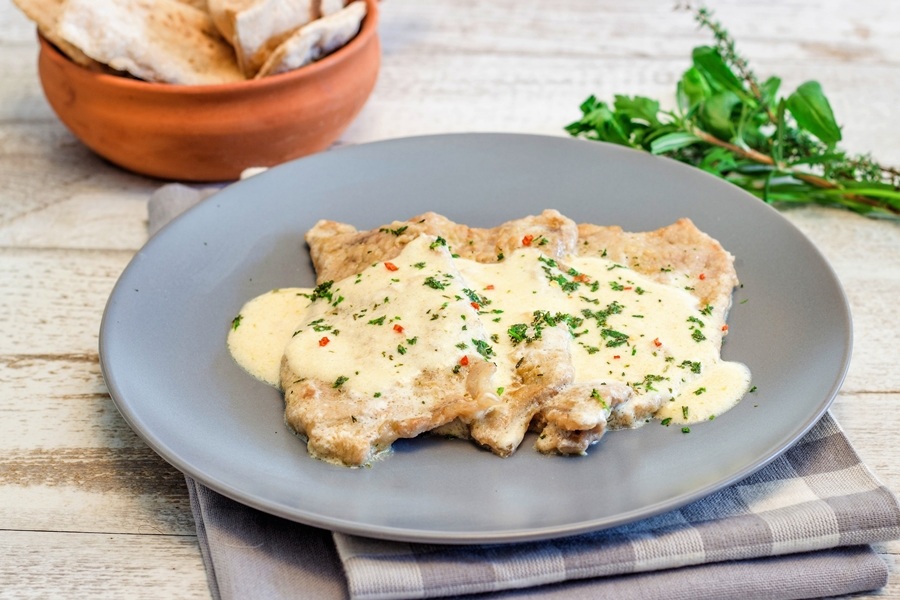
617 357
324 341
657 343
526 241
390 266
702 276
398 327
582 278
475 305
464 361
489 286
724 327
628 287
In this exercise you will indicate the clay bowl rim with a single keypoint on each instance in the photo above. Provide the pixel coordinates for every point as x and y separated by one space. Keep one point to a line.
368 29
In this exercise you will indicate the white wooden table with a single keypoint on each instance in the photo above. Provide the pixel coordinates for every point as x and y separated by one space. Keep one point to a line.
88 511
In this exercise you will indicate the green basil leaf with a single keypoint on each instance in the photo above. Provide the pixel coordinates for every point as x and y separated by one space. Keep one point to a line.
672 141
811 110
717 160
589 104
638 107
718 73
583 125
769 91
693 90
717 114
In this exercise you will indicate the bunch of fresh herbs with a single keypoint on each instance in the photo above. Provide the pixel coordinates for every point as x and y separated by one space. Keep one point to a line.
727 122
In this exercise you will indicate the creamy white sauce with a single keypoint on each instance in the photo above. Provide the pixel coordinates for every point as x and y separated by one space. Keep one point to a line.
261 332
425 310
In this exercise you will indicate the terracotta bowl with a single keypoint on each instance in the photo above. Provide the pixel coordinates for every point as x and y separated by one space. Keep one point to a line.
213 132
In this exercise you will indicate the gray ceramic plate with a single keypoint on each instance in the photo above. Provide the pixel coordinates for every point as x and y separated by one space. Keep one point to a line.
163 353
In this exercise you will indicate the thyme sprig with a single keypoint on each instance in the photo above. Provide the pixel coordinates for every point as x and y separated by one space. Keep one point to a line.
728 122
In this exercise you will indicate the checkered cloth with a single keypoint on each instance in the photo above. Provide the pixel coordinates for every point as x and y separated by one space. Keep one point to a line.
817 495
798 528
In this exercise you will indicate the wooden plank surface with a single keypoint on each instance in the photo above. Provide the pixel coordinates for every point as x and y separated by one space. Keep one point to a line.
88 511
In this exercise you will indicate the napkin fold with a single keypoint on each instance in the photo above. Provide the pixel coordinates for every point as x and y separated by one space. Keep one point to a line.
801 527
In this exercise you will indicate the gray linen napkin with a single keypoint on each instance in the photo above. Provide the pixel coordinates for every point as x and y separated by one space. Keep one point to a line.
798 528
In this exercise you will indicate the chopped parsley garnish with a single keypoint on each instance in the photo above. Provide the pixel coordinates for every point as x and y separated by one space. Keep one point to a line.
564 284
518 333
614 338
439 241
397 231
320 325
323 290
236 322
547 261
483 348
552 320
543 318
601 316
595 395
697 321
475 297
694 366
339 381
434 283
378 321
648 382
698 335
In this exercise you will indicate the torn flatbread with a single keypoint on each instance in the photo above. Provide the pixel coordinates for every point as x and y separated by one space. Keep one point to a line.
329 7
154 40
256 27
46 14
315 40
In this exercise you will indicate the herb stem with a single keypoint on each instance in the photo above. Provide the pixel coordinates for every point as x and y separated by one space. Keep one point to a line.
814 180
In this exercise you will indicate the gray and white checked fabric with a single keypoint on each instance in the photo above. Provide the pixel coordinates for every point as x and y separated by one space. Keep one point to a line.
817 495
798 528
